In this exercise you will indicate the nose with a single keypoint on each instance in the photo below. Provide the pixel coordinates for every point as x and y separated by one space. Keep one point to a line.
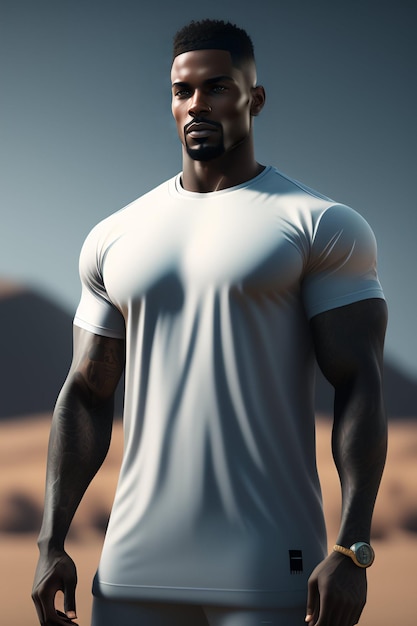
198 105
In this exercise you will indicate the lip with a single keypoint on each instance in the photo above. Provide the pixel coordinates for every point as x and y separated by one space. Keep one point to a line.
200 129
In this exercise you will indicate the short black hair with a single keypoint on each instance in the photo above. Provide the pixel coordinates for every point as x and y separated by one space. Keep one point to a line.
215 35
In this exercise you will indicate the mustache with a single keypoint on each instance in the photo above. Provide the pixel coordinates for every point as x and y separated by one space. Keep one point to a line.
202 120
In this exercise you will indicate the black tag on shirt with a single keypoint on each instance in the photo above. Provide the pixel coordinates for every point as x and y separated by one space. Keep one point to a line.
296 561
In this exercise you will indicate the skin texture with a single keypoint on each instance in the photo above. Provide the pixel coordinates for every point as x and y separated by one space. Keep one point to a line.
79 441
206 86
349 348
221 100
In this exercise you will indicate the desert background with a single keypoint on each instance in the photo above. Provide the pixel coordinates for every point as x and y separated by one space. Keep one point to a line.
31 381
85 128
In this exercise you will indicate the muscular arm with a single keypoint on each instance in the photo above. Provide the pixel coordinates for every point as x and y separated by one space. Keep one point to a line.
79 441
349 347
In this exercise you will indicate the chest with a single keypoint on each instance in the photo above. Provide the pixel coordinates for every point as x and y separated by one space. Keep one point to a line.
248 247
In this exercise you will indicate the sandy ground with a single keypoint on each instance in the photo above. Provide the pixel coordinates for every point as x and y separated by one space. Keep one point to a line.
392 579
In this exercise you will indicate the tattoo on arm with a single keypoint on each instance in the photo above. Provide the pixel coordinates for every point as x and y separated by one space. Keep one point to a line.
104 365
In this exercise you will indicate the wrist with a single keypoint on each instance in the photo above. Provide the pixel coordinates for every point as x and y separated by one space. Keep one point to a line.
50 545
361 553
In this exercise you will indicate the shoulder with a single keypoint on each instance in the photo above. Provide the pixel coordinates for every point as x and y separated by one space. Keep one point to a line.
277 182
340 230
337 216
342 264
110 228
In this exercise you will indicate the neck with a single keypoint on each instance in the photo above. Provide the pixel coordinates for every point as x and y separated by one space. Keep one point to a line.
230 169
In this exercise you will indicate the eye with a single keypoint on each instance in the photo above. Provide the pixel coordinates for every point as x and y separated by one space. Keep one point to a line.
219 88
182 92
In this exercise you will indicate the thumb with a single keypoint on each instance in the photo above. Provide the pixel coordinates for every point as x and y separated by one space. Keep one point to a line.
313 600
69 600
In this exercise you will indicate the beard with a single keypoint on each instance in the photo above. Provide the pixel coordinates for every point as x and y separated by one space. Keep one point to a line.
204 152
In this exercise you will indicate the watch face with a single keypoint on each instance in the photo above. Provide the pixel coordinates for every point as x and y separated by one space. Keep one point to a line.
364 553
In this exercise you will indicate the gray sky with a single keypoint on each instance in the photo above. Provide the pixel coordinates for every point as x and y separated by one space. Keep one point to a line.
85 123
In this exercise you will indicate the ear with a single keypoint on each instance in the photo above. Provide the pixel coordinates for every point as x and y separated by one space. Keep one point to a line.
258 100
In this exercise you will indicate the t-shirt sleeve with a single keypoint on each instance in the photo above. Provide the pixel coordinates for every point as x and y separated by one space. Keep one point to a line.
342 266
96 312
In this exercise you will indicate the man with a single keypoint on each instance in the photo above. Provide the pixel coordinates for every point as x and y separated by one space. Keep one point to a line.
221 285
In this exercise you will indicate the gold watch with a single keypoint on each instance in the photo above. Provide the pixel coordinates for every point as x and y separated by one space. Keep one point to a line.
361 553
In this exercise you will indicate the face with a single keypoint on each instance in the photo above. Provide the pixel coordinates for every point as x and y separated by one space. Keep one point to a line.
212 102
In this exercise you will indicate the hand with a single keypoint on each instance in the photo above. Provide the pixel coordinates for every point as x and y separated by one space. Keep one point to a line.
336 592
55 572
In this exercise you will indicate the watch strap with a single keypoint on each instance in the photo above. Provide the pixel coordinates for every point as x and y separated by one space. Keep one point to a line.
351 552
343 550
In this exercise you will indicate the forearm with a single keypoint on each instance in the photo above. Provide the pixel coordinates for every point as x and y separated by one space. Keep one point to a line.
359 443
79 441
349 344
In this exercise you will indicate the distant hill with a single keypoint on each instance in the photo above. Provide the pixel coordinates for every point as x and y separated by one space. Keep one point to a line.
35 348
36 345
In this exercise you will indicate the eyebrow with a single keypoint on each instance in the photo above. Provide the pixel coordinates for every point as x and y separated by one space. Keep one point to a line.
209 81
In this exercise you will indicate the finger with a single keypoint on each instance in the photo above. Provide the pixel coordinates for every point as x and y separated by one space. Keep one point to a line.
64 619
69 599
45 607
47 614
39 610
313 603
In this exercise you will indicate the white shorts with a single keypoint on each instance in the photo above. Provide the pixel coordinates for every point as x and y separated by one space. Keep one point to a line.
128 613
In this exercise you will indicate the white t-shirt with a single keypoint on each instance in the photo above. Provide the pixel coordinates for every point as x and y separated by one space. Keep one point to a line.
218 499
